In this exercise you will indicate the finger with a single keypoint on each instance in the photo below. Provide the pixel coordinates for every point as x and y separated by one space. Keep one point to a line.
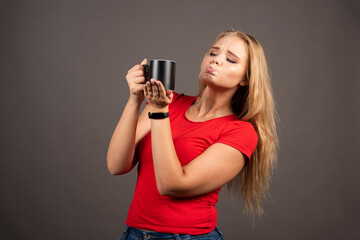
155 88
161 87
169 94
139 80
134 68
136 73
144 62
149 87
146 90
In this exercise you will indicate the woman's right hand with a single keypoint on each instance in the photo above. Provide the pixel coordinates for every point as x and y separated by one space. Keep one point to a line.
136 79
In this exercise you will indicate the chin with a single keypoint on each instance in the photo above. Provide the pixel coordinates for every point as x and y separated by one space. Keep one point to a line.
207 77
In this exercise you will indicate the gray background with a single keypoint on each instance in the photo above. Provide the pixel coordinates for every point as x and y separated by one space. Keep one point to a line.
63 88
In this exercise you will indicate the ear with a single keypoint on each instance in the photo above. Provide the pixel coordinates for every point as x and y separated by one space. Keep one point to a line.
244 82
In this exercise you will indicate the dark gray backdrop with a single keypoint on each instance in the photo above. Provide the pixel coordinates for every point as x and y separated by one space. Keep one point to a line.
63 88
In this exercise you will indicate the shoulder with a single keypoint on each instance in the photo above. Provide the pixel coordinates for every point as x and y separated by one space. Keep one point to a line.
241 135
180 98
239 126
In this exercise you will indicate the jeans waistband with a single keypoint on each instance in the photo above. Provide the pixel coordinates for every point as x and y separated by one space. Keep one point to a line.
151 234
159 235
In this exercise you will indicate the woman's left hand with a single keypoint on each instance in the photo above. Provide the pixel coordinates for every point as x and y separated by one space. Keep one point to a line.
156 94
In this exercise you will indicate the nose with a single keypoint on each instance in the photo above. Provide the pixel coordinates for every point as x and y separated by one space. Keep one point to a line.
217 60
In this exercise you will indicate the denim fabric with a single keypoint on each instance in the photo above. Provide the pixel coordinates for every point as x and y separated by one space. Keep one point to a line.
136 234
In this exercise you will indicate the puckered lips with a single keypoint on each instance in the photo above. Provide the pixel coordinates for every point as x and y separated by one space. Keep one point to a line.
210 70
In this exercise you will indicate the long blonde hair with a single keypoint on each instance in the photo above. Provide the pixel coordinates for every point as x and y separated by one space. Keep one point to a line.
254 103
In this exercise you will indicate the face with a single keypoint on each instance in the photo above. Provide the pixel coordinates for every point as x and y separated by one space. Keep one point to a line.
224 65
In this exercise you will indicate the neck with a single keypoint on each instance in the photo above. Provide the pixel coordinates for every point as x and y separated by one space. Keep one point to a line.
214 103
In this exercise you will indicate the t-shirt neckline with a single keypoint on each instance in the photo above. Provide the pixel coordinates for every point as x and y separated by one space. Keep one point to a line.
218 118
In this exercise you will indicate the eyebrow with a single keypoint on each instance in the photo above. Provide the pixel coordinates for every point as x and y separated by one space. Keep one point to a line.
217 48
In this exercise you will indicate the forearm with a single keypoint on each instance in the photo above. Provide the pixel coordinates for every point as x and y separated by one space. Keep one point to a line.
120 155
168 170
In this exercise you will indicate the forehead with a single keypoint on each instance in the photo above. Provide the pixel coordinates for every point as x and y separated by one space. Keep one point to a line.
233 44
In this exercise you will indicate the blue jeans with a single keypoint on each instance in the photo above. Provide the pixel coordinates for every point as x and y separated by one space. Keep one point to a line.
136 234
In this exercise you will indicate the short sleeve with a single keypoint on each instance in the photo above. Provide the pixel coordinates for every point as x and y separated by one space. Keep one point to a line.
176 97
241 136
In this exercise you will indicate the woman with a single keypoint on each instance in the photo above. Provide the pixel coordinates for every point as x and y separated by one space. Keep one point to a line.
195 145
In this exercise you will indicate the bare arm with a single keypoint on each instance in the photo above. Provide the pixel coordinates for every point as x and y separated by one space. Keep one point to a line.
128 133
216 166
209 171
131 128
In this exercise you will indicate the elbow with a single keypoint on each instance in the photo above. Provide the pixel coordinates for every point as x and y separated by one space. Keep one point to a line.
115 170
173 193
163 188
112 170
174 186
165 192
169 190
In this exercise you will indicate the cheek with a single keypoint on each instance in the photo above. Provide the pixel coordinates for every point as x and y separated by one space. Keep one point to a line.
204 62
236 73
202 65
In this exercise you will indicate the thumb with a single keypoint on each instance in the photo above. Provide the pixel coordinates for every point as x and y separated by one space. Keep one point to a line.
144 62
169 94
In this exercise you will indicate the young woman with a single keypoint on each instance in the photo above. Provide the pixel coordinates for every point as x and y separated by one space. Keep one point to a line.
188 147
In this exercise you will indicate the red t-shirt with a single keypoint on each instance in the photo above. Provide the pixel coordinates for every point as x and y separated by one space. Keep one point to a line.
194 215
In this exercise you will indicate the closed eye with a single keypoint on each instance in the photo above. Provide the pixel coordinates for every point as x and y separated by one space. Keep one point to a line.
230 60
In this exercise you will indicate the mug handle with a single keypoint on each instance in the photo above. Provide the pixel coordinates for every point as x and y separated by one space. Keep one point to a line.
146 72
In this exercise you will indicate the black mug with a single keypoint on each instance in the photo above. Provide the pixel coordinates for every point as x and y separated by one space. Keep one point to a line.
162 70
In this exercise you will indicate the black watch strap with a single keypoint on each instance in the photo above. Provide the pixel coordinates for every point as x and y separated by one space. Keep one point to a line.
158 115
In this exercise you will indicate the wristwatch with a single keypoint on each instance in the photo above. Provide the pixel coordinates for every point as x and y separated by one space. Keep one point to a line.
158 115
